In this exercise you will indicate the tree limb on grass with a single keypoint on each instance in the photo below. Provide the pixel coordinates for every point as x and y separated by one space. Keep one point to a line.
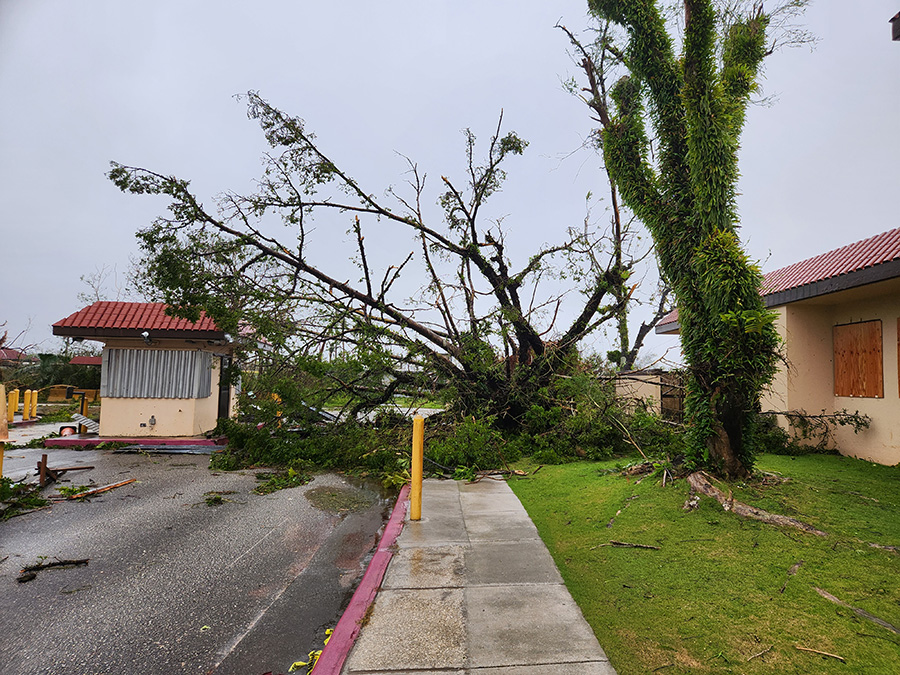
764 651
625 544
700 482
859 612
816 651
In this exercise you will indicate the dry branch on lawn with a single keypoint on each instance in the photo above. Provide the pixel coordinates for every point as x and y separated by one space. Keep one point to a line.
859 612
699 481
764 651
816 651
625 544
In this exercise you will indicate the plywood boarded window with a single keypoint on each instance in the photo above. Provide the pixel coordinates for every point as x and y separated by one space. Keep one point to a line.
857 360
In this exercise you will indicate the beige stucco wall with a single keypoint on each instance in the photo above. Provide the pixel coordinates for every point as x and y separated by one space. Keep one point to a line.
124 417
808 381
633 388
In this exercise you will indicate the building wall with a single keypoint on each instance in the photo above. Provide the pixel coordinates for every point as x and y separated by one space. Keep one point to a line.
130 417
807 383
632 388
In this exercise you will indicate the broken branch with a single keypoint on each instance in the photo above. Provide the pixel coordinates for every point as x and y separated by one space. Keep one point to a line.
816 651
764 651
98 490
859 612
30 572
625 544
699 482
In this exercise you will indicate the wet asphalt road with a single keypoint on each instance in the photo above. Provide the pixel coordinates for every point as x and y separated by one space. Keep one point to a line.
174 585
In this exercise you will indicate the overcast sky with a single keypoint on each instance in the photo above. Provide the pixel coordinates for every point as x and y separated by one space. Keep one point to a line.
153 83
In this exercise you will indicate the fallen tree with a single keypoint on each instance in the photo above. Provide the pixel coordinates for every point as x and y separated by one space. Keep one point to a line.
456 312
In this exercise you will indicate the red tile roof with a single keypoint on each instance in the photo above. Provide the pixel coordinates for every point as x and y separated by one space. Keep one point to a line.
15 355
130 318
869 252
86 361
860 259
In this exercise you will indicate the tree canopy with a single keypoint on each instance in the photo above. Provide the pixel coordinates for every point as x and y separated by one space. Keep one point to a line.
454 310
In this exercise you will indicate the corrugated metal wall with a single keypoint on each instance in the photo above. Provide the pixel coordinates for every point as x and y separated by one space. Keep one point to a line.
152 373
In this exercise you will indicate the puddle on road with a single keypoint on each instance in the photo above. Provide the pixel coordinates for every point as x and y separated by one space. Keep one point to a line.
341 499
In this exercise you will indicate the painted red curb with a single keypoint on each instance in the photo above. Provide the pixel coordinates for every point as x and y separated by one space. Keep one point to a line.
344 636
76 442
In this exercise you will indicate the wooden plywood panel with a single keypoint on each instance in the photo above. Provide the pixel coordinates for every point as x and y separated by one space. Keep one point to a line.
858 360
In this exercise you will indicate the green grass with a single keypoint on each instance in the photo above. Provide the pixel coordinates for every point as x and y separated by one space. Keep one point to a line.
711 597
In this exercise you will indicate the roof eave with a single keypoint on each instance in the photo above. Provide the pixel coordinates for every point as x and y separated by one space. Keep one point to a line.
843 282
101 333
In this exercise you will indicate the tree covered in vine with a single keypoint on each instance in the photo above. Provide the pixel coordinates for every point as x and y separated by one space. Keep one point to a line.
671 144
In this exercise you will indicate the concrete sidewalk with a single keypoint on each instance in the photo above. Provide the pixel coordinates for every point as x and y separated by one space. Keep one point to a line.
473 589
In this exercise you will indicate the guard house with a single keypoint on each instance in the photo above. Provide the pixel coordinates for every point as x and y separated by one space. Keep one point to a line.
160 375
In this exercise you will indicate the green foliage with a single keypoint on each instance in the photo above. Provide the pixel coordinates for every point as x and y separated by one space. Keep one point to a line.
72 490
52 368
16 498
809 434
686 197
473 442
272 482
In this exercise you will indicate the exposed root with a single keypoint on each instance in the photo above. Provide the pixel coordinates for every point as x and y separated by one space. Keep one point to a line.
700 482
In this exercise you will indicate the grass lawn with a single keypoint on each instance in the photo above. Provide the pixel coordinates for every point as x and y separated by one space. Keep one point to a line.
718 591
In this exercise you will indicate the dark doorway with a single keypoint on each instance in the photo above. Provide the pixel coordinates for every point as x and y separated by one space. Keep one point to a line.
224 387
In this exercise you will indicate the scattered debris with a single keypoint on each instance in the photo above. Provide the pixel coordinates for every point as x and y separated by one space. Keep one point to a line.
30 572
280 481
791 572
313 656
216 497
641 469
498 474
699 481
816 651
764 651
46 474
859 612
624 506
97 491
198 449
692 502
17 498
625 544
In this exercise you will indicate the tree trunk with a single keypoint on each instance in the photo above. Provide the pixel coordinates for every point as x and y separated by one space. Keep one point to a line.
722 454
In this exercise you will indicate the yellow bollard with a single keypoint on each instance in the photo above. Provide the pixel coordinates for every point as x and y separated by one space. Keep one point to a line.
4 429
26 405
11 406
15 401
34 394
418 449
